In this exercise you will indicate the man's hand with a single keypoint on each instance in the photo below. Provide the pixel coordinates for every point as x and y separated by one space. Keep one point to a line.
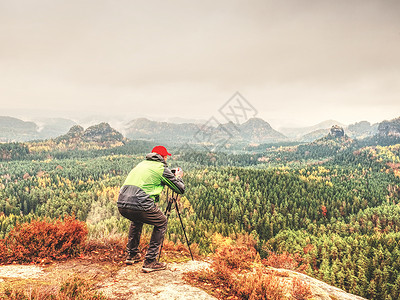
178 172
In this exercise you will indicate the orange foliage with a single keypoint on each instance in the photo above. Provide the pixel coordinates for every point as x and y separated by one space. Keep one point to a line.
308 248
110 248
171 246
234 257
42 240
324 210
232 277
258 285
301 290
285 261
234 274
180 248
3 250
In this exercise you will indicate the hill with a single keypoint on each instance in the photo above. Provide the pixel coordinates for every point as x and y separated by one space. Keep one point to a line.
362 129
163 132
314 135
331 144
13 130
334 142
254 130
17 130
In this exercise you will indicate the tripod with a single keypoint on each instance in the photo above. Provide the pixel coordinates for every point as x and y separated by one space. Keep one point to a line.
172 200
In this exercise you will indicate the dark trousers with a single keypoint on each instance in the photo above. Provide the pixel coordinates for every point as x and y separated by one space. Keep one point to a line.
154 217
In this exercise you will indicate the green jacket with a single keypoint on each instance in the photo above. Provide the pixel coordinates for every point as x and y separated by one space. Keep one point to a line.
145 183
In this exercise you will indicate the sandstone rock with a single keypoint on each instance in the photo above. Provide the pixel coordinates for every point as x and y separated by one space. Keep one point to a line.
128 282
131 283
20 271
336 131
322 290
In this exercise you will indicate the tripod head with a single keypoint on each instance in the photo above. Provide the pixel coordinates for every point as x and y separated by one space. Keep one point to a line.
170 200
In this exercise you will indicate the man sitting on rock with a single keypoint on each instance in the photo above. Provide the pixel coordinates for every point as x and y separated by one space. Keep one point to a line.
136 202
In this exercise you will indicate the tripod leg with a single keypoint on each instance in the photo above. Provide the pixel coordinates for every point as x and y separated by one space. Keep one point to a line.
183 227
167 213
168 206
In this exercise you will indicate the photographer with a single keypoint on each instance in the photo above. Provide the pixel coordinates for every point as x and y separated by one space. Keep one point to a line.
136 202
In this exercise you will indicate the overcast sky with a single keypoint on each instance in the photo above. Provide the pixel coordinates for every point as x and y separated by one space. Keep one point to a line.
296 62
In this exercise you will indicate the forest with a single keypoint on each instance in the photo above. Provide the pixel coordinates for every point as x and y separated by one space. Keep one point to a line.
334 202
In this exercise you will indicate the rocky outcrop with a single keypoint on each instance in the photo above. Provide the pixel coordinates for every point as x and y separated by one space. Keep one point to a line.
131 283
128 282
74 134
320 290
336 131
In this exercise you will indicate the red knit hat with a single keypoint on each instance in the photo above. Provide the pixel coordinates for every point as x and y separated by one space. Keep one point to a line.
161 150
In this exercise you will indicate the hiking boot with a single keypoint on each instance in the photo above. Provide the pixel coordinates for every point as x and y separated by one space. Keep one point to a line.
153 266
133 259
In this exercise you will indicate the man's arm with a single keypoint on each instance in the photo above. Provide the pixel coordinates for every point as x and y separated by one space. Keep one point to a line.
175 183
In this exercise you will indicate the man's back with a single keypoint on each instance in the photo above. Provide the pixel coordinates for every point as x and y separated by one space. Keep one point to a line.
146 181
147 175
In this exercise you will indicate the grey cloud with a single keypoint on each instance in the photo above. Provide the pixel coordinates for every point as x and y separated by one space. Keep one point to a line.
91 51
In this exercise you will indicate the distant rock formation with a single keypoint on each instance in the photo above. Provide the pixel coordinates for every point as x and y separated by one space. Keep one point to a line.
99 133
102 132
73 135
389 128
336 131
